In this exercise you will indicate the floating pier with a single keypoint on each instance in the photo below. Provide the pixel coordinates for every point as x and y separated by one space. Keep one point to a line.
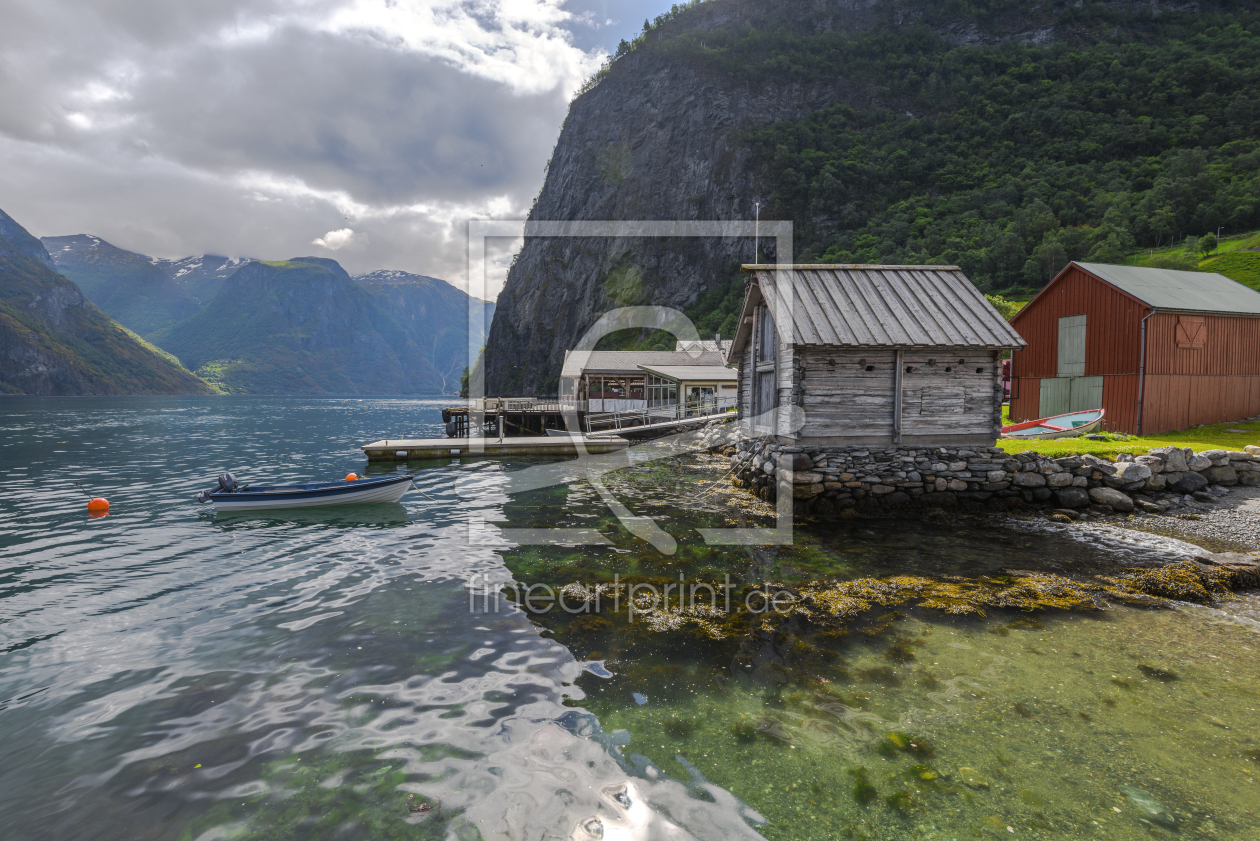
404 449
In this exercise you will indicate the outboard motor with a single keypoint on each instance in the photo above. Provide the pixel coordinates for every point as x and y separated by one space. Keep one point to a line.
227 484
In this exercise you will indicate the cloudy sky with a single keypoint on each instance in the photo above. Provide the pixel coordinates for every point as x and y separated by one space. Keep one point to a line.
369 131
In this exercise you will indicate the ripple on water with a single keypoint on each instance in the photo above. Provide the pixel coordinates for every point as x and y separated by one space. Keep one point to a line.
178 674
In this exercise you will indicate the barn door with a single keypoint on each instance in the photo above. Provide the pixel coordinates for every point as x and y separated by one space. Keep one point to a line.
1071 346
1086 394
1056 396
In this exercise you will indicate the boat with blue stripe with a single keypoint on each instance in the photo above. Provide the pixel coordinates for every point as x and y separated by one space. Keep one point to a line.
229 496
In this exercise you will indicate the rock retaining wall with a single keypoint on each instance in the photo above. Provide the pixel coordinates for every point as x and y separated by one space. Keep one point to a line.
834 478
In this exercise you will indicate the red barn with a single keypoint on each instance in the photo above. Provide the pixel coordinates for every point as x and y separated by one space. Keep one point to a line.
1157 349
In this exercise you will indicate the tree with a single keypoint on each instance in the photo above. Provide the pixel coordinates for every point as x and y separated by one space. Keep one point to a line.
463 383
1207 244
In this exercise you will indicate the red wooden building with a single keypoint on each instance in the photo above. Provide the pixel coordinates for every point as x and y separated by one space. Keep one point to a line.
1157 349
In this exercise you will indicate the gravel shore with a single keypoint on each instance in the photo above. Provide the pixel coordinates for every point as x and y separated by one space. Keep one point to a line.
1230 524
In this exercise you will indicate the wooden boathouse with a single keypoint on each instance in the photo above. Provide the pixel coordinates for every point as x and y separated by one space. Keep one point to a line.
865 355
1157 349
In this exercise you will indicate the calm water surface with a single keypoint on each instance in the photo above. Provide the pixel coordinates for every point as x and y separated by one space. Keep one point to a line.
176 674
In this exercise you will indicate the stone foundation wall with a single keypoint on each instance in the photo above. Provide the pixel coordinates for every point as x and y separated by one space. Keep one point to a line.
828 479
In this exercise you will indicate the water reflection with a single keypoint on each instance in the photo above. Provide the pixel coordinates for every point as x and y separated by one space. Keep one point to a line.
177 674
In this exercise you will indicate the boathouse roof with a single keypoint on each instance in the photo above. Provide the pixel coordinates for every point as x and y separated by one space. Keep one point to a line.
1170 289
875 306
578 362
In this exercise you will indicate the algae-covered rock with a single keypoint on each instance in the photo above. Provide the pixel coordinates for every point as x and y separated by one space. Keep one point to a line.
971 777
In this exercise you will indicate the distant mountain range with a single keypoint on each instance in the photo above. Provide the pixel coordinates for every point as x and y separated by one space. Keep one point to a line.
300 326
55 341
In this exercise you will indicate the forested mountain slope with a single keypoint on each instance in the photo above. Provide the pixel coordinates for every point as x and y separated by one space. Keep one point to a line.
54 341
300 326
1004 137
128 286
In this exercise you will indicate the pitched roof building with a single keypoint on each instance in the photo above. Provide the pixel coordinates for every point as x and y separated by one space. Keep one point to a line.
1156 349
841 354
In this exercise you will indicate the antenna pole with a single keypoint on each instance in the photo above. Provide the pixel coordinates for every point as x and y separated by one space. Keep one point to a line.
757 234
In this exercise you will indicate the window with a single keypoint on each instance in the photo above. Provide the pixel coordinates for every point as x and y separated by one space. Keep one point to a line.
1072 346
765 393
766 337
1191 332
661 392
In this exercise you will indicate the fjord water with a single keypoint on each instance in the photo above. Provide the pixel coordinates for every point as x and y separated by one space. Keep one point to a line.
173 673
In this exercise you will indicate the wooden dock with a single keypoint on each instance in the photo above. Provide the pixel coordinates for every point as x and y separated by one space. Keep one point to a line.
404 449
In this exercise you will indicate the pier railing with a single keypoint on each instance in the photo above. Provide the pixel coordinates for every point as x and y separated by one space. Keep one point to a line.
630 418
494 405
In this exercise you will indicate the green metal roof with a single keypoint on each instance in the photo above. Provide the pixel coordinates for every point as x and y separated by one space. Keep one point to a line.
1167 289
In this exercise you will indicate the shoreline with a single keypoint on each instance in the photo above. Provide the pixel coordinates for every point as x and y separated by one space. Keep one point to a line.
1230 524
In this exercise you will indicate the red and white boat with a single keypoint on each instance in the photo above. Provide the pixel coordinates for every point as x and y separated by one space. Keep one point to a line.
1059 426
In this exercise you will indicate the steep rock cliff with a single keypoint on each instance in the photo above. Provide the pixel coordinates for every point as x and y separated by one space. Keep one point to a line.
659 137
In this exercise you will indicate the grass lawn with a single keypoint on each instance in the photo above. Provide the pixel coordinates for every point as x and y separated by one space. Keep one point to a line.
1214 437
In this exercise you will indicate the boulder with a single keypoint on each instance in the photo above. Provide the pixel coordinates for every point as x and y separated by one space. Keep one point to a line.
1219 458
1118 500
1234 456
956 485
1132 471
1249 479
897 498
1174 459
995 476
1221 476
1029 480
1189 482
1157 482
807 491
1072 497
1253 449
1198 461
1059 480
1149 507
1155 463
799 461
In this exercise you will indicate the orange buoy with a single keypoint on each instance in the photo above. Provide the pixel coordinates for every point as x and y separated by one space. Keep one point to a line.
98 503
350 477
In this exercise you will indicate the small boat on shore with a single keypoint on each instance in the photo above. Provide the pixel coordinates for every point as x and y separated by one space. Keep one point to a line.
228 496
1059 426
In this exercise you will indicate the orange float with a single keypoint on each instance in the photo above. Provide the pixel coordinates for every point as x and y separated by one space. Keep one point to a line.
352 477
98 503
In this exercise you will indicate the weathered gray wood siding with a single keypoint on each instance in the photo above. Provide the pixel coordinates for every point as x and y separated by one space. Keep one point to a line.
849 394
746 368
950 391
841 398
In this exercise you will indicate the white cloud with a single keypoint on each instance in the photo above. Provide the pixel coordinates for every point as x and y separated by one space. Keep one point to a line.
241 127
334 240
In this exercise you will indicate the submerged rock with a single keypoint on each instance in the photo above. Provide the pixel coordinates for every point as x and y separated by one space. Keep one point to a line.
1148 807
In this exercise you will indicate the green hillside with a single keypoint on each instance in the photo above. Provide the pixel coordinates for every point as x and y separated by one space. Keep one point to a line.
1242 266
1008 159
129 287
299 326
54 341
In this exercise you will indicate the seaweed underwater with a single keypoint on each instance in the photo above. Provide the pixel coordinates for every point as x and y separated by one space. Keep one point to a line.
770 696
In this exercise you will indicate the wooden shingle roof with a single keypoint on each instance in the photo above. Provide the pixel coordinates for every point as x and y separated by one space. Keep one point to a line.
874 306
